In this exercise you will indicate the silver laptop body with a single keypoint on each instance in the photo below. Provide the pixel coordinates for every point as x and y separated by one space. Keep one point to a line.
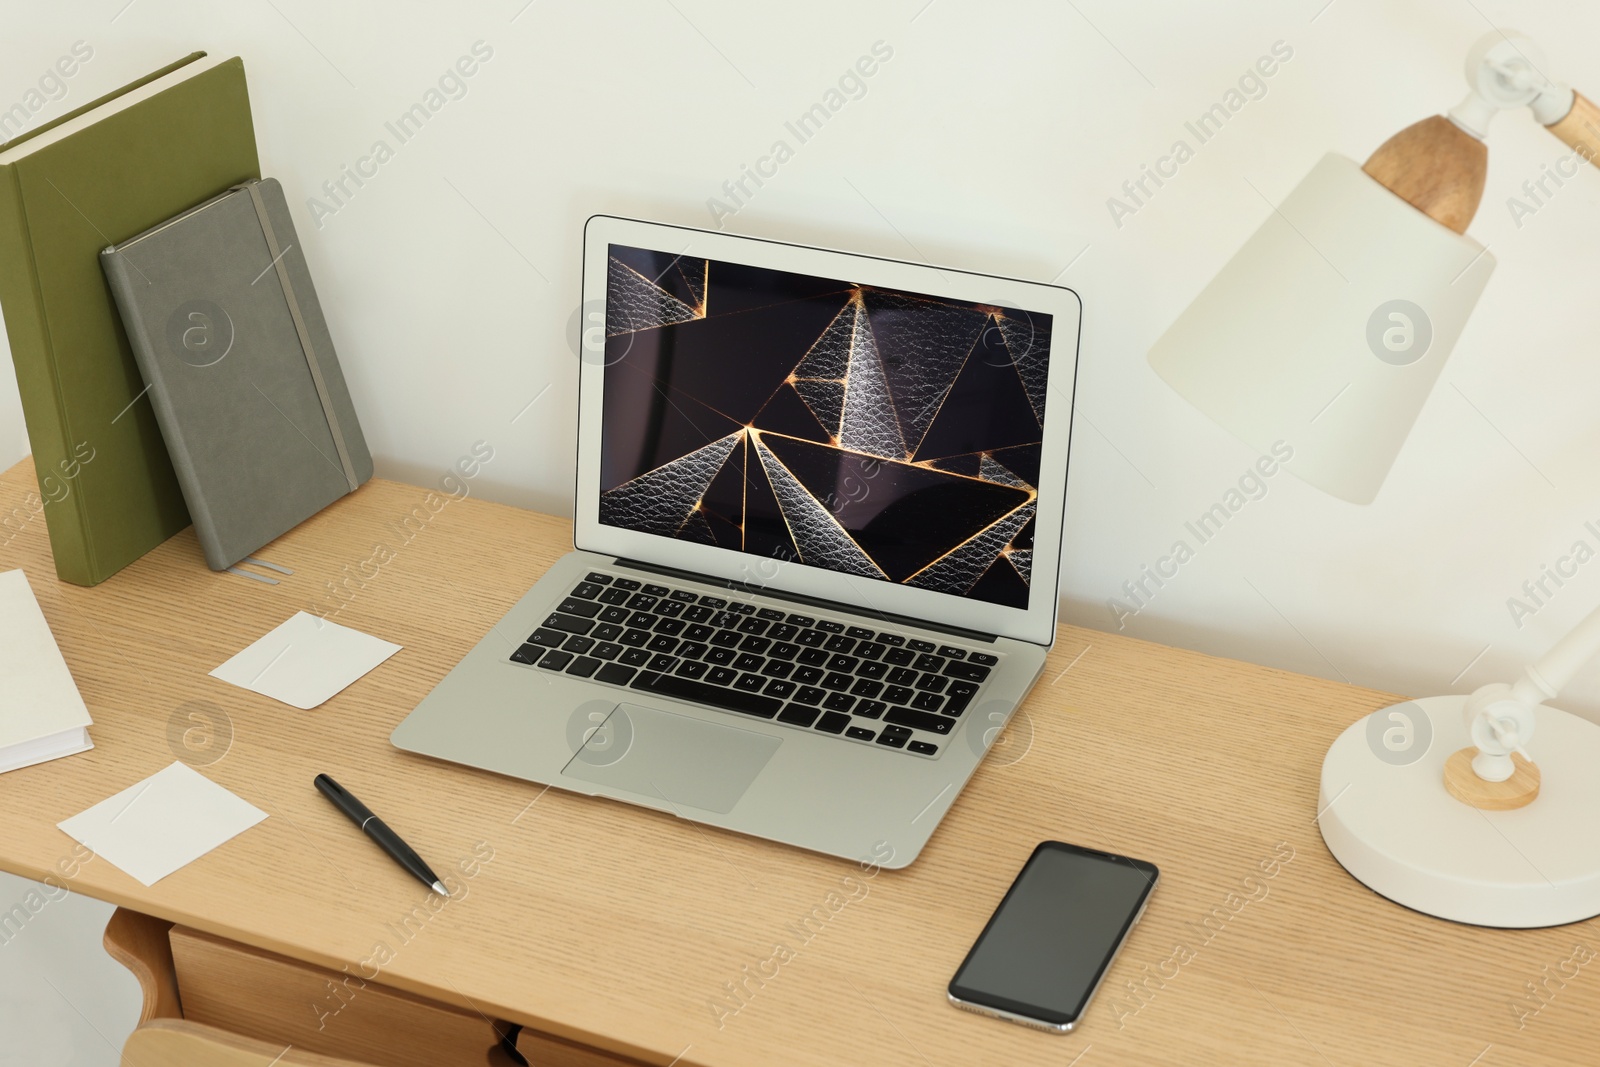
818 527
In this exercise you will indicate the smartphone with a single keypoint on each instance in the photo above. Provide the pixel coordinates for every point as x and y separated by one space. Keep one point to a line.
1052 939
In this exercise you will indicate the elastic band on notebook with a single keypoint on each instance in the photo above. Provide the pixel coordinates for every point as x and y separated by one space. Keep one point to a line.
305 335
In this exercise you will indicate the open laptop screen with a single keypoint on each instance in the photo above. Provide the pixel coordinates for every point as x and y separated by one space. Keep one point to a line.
881 434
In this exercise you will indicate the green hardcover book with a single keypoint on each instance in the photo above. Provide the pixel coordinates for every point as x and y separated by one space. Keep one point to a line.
98 176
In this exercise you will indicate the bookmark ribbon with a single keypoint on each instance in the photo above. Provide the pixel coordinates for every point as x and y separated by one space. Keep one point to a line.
305 335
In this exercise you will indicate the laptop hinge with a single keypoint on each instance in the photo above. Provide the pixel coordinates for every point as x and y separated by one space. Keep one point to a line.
801 598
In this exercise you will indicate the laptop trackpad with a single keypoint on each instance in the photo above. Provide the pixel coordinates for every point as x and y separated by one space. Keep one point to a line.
686 762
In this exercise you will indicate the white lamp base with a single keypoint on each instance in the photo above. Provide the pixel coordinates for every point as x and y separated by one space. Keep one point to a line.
1394 827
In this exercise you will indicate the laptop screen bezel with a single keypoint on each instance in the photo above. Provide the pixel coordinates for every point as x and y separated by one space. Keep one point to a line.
1036 623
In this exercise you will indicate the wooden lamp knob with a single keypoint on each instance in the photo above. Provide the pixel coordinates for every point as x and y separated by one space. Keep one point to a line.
1580 128
1438 168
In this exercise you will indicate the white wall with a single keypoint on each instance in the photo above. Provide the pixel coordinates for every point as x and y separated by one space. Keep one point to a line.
992 140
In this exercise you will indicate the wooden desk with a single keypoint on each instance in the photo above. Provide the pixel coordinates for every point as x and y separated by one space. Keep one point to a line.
620 928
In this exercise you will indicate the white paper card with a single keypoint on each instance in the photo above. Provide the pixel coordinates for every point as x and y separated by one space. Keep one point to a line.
305 661
170 819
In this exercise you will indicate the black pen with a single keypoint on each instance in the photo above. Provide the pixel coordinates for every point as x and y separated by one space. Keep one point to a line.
376 829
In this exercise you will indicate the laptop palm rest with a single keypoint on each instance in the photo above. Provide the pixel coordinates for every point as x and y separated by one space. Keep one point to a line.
663 756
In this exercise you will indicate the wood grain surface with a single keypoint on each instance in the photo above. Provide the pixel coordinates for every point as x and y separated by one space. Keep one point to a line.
625 929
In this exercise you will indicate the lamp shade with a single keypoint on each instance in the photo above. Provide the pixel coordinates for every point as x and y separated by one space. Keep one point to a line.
1328 329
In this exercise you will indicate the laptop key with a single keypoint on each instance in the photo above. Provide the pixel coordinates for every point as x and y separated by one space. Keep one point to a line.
656 590
683 595
615 674
836 681
753 625
811 638
983 658
808 694
713 602
722 675
613 596
922 748
635 638
606 631
927 701
902 676
635 657
662 643
625 583
750 683
663 662
869 650
569 623
833 722
547 638
784 650
959 696
892 640
952 652
741 608
586 590
969 672
597 578
555 660
748 661
918 645
777 668
578 643
783 632
586 609
720 656
927 662
898 694
899 656
697 613
866 687
697 631
693 650
528 654
763 707
584 666
642 620
670 626
798 715
725 620
752 643
860 633
801 620
812 657
692 668
830 626
808 675
919 720
872 670
932 683
860 733
670 608
840 643
871 709
606 650
725 638
777 687
839 702
770 614
641 602
840 662
894 736
614 615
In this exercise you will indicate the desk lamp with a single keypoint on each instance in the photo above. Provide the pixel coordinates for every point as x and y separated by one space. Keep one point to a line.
1328 329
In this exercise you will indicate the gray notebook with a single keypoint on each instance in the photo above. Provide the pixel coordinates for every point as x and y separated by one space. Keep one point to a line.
231 341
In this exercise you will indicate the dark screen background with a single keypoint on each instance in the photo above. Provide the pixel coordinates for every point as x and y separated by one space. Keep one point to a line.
1046 946
878 433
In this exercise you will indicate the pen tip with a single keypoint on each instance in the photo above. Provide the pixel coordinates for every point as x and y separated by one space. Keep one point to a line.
440 889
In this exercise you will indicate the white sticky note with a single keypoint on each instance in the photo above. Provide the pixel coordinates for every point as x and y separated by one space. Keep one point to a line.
305 661
170 819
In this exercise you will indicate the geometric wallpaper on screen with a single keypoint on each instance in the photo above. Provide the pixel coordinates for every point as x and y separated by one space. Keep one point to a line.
880 434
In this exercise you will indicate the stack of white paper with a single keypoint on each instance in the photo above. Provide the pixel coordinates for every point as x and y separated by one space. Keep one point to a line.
42 717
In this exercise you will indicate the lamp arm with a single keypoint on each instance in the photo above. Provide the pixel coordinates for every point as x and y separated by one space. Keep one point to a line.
1580 128
1546 677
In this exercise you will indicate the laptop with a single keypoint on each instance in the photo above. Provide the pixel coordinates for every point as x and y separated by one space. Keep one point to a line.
818 528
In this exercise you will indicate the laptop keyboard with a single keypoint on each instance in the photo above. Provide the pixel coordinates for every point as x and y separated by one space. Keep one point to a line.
850 681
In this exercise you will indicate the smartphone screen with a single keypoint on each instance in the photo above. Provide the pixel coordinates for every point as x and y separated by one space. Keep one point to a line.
1054 935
